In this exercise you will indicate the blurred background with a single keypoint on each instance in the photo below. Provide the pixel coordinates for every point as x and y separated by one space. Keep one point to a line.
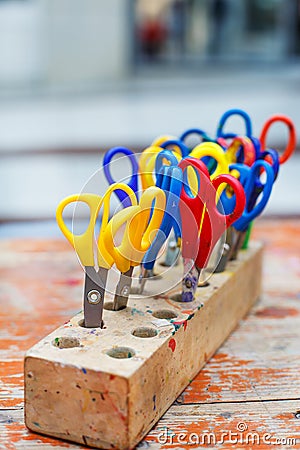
80 76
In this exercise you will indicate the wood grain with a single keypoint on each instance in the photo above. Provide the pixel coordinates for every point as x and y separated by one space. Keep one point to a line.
266 398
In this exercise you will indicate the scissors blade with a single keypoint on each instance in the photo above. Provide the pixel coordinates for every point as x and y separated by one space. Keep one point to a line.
190 280
225 249
239 237
94 289
145 274
172 253
123 290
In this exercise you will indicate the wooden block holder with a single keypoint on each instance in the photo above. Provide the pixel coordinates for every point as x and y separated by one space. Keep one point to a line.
107 387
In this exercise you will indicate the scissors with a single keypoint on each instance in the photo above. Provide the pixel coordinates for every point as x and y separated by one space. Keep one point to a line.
292 141
96 271
234 112
133 182
170 180
222 137
139 234
95 280
202 223
250 180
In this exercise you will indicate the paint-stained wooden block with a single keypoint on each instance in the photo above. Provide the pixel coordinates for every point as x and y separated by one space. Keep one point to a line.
107 387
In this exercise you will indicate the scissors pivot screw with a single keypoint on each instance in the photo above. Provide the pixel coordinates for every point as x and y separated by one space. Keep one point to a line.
94 297
125 291
188 283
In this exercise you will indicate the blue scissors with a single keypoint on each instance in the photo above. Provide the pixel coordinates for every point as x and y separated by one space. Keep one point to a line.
248 130
169 180
225 117
133 182
250 180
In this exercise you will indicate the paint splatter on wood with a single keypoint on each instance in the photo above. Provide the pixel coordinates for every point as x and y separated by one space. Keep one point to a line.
254 378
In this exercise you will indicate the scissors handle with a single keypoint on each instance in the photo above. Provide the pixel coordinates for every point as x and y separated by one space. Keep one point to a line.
83 243
215 222
103 254
133 182
147 164
291 145
142 224
177 145
165 156
272 157
197 131
214 151
230 113
253 209
170 180
241 149
191 205
241 172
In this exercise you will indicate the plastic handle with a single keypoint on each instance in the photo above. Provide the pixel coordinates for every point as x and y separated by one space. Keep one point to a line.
248 149
240 172
216 152
233 112
139 232
250 187
83 243
272 157
177 146
197 131
105 258
133 182
147 164
170 180
172 158
291 145
214 222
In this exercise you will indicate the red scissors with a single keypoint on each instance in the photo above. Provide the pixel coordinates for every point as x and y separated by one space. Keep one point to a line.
291 145
202 222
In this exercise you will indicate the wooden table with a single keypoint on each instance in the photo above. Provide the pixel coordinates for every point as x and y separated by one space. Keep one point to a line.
248 392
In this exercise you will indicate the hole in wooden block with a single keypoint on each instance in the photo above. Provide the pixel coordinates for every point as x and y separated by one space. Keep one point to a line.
109 306
66 342
203 284
81 324
164 314
177 297
121 352
144 332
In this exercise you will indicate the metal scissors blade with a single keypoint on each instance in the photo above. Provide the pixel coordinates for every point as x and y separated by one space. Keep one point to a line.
123 290
94 291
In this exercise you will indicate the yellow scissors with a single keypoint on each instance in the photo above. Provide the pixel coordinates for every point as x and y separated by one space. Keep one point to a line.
215 152
96 277
141 230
